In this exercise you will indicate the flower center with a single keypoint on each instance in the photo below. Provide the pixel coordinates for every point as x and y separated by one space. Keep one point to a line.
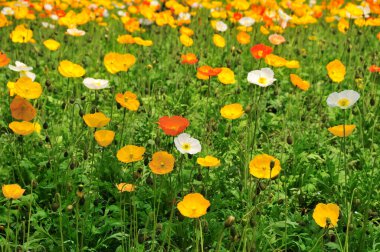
262 80
162 165
186 146
344 102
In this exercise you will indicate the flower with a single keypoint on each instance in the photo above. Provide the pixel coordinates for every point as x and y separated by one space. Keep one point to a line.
22 128
226 76
326 215
128 100
264 166
116 62
243 38
372 68
22 35
187 31
174 125
342 130
262 77
75 32
343 100
51 44
232 111
162 162
27 89
292 64
13 191
125 39
209 71
193 205
189 58
69 69
220 26
276 61
246 21
186 144
96 120
21 109
336 70
298 82
208 161
104 137
276 39
130 153
260 51
4 60
124 187
186 40
219 41
24 70
92 83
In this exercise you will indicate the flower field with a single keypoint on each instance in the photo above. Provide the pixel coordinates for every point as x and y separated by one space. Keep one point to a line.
189 125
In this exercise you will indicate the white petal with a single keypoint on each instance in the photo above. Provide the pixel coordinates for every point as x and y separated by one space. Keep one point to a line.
30 75
183 138
254 76
195 147
332 99
267 72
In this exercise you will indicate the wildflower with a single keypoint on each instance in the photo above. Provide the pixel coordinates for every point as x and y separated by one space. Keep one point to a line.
27 89
21 109
22 35
326 215
343 100
12 191
298 82
219 41
96 120
336 70
186 40
209 71
374 69
22 128
128 100
342 130
116 62
174 125
96 84
193 205
51 44
292 64
232 111
75 32
260 51
4 60
124 187
142 42
104 137
69 69
24 70
186 144
125 39
187 31
226 76
246 21
189 58
264 166
162 163
243 38
276 39
276 61
130 153
262 77
220 26
208 161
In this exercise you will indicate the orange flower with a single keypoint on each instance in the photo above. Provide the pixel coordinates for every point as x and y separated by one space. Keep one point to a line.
124 187
336 70
274 60
21 109
13 191
104 137
174 125
298 82
22 128
28 89
264 166
243 38
130 153
128 100
162 163
276 39
209 71
374 69
115 62
193 205
96 120
189 58
342 132
260 51
326 214
4 60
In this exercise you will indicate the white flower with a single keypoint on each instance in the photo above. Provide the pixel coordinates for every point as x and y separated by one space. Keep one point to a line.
24 70
221 26
262 77
48 7
47 25
92 83
75 32
121 13
7 11
186 144
343 100
246 21
54 17
184 16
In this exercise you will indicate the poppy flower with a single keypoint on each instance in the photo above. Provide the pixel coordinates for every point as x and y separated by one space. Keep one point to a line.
374 69
246 21
51 44
232 111
22 128
125 39
75 32
326 215
276 39
264 166
96 120
174 125
262 77
116 62
130 153
24 70
274 60
243 38
186 31
219 41
124 187
292 64
4 60
220 26
336 70
209 71
69 69
22 35
162 163
104 137
343 100
128 100
189 58
96 84
21 109
226 76
186 144
12 191
193 205
208 161
143 42
186 40
342 130
27 89
260 51
298 82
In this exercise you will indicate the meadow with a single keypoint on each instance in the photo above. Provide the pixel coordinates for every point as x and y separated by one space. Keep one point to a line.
189 125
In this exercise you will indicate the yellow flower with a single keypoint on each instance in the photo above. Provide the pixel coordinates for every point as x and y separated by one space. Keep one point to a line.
243 38
104 137
116 62
143 42
264 166
69 69
342 132
208 161
22 128
11 88
264 30
343 25
27 89
219 41
130 153
51 44
336 70
22 35
125 39
274 60
326 215
232 111
13 191
96 120
187 31
124 187
292 64
193 205
186 40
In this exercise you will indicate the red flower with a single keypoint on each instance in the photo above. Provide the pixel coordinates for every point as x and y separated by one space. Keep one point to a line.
260 51
374 69
209 71
174 125
237 16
